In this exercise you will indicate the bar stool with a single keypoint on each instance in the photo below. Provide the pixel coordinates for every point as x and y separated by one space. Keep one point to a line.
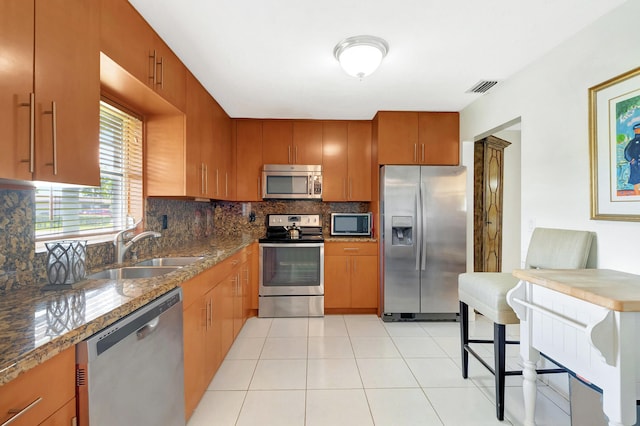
486 293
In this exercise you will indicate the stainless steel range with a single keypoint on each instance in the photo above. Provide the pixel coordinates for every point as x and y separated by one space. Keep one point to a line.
292 267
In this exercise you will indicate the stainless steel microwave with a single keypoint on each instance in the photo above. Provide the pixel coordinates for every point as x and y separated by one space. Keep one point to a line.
291 181
351 224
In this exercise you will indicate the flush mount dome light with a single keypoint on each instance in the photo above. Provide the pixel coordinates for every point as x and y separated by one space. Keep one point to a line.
360 56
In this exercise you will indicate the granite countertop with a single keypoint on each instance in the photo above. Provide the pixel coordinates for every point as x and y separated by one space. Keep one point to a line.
334 239
36 325
618 291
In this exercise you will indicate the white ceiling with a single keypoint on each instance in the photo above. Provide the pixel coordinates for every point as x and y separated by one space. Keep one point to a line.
274 58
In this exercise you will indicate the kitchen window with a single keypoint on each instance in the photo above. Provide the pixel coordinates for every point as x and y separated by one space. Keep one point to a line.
69 212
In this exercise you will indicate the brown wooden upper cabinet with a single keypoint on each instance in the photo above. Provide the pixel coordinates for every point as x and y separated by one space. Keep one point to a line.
408 137
131 43
346 161
291 142
248 160
50 92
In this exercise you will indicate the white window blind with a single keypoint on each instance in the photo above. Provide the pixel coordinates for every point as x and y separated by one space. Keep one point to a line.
63 212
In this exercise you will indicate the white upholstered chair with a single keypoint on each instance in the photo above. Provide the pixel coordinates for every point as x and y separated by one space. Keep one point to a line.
486 293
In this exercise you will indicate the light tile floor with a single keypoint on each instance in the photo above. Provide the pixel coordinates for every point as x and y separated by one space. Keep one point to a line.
357 370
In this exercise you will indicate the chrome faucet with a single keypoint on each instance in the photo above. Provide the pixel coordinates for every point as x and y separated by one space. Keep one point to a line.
122 247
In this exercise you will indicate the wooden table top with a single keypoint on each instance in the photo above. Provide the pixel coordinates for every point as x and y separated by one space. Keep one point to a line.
615 290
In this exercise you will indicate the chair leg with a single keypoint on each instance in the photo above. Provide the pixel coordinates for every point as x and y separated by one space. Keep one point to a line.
464 337
499 351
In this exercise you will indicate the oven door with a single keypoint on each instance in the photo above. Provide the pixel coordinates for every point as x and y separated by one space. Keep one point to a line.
291 269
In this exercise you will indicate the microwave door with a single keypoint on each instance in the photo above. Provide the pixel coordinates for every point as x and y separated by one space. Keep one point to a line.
286 185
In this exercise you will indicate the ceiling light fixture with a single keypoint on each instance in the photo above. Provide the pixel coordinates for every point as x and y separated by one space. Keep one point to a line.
361 55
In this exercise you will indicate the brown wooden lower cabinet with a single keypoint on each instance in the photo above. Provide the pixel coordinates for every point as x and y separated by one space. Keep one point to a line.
213 315
52 383
350 277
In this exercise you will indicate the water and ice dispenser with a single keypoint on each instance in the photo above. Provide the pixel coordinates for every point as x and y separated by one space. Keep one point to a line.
402 230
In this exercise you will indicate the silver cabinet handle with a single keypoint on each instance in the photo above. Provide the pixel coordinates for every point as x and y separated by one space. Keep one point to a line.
415 152
217 181
344 188
17 413
289 154
201 178
161 82
32 133
259 189
54 136
210 319
153 75
422 146
206 178
350 188
351 249
296 156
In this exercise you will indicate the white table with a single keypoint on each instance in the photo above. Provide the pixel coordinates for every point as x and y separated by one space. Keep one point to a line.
588 320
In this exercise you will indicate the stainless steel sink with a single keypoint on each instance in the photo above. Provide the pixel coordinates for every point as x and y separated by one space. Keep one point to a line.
132 272
169 261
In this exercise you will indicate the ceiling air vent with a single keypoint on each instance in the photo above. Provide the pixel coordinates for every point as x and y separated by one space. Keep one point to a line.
482 86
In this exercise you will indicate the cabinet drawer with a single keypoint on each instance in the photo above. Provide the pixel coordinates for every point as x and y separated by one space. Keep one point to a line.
196 287
350 249
52 384
223 269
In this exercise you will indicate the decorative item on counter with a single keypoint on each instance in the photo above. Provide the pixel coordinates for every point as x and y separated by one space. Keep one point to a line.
66 262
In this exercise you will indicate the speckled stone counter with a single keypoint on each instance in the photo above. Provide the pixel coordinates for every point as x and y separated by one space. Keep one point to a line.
36 325
349 239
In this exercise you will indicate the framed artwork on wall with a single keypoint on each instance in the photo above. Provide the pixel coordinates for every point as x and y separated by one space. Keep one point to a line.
614 146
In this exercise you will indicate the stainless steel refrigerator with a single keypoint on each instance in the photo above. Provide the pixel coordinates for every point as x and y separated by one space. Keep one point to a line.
423 240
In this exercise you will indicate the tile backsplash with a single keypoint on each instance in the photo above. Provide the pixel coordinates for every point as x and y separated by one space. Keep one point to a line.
186 221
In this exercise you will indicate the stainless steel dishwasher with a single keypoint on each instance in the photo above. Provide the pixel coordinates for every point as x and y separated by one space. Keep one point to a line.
131 373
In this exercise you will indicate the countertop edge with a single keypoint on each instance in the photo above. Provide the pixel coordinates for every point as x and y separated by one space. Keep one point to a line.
162 284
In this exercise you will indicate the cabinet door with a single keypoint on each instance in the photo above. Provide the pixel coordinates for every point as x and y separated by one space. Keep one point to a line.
126 38
337 285
397 137
248 160
16 84
255 276
307 142
53 382
277 138
364 281
193 324
246 272
213 330
199 134
359 161
214 336
227 312
439 138
170 74
222 153
65 416
334 160
67 81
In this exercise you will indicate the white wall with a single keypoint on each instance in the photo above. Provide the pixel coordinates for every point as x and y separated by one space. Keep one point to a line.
551 98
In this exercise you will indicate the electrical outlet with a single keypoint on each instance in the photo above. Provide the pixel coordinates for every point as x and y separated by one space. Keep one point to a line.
164 221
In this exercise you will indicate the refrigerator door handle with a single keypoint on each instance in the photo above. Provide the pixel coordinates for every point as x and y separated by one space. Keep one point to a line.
423 231
418 236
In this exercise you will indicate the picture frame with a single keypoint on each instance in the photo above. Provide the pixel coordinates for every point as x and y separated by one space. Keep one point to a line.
614 148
